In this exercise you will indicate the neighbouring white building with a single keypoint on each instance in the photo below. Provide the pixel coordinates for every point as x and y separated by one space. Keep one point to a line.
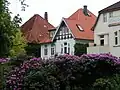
60 40
107 31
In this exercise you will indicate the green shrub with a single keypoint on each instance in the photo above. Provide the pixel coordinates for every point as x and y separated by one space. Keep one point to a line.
66 72
108 83
80 49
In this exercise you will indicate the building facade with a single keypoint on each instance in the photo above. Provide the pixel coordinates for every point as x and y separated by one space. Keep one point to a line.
71 30
107 31
60 40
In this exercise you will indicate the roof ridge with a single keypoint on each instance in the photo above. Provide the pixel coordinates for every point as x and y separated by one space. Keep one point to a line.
74 12
46 21
109 7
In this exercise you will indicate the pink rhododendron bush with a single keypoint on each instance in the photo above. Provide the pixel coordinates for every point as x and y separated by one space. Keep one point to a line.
65 72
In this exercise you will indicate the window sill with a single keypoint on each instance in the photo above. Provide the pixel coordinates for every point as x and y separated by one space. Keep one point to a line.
116 46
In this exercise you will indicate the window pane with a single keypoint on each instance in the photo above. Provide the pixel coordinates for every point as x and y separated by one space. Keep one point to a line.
52 51
45 51
115 33
65 43
104 17
110 14
116 40
101 36
61 49
102 42
68 50
65 49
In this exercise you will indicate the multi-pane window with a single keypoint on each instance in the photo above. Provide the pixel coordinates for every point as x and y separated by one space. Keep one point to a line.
116 37
45 50
65 47
52 49
110 14
102 40
68 48
61 49
104 17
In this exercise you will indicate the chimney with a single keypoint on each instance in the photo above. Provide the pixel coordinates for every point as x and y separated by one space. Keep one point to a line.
46 16
85 10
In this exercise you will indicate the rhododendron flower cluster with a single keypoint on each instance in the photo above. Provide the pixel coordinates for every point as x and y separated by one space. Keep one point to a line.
101 57
68 67
3 60
16 76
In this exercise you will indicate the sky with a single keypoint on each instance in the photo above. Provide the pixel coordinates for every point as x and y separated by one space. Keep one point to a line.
56 8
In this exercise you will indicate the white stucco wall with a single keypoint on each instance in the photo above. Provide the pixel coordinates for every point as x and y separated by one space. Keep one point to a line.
42 51
57 47
103 29
59 42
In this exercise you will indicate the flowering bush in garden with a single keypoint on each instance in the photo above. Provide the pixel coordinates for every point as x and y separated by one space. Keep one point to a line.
65 72
16 76
4 60
3 67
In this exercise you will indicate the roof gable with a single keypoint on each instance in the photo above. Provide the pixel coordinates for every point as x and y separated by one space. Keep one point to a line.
113 7
86 22
63 22
36 29
79 18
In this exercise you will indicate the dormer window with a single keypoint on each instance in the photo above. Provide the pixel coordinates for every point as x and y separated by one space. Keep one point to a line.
52 34
80 28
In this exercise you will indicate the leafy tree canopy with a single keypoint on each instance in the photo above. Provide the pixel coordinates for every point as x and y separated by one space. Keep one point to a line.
8 30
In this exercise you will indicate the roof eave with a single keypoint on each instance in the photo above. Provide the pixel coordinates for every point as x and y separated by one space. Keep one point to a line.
83 39
96 22
109 10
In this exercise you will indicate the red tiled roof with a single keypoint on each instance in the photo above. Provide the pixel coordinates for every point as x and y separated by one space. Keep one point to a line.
86 22
36 30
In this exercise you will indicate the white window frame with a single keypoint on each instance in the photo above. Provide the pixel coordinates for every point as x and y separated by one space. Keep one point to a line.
116 35
69 48
61 49
103 38
110 14
104 17
45 50
51 34
52 49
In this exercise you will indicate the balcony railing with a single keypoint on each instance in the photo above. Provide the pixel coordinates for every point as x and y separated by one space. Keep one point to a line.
98 49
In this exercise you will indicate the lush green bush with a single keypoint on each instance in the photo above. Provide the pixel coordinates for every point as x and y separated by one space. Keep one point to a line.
107 83
33 49
65 72
80 49
18 45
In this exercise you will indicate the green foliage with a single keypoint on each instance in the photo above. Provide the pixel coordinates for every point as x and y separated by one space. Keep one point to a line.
6 29
68 72
18 45
33 49
108 83
11 42
80 49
